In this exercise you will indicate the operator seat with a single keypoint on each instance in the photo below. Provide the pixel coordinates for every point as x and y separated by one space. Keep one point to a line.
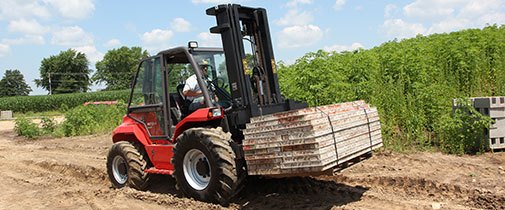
183 102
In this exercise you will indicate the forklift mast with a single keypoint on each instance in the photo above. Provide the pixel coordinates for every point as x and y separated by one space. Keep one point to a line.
254 91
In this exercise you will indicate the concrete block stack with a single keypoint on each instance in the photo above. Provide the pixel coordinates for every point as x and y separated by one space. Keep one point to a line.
312 139
6 115
494 107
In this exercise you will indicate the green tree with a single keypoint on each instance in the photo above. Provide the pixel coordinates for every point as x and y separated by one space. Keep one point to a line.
13 84
67 72
118 67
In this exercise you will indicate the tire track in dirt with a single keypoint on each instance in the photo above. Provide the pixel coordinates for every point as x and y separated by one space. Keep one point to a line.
87 174
420 186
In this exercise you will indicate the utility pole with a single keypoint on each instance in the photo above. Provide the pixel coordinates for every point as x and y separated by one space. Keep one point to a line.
50 88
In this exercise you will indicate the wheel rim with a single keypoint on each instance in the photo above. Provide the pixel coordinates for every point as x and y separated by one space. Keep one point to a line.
196 169
120 170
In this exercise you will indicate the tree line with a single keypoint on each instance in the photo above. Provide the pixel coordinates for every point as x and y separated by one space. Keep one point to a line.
69 72
412 81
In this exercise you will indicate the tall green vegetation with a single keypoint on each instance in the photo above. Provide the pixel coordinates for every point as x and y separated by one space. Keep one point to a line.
463 131
81 120
118 67
93 119
66 72
13 84
411 81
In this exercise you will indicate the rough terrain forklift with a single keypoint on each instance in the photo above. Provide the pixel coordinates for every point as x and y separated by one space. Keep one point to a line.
200 148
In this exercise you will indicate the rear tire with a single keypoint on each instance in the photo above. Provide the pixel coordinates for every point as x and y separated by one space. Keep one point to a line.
126 165
205 167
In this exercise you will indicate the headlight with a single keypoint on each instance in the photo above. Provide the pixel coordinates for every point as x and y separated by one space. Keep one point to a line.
216 113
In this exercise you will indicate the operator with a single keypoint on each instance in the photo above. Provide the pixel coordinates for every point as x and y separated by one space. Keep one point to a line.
192 90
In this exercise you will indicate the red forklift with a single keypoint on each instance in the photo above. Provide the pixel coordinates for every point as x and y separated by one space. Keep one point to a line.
201 148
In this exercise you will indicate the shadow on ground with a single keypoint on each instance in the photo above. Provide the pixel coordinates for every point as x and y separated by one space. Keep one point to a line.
280 193
297 193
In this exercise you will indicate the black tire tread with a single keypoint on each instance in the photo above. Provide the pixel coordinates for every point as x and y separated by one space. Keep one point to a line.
137 178
219 142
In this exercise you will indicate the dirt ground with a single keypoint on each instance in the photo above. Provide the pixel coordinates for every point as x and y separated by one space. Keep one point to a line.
70 173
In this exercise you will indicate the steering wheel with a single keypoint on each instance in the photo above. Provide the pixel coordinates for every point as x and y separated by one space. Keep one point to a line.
220 83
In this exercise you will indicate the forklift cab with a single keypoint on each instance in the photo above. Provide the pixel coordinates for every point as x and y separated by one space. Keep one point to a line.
157 100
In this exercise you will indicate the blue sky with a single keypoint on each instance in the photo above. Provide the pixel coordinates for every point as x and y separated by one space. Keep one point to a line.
31 30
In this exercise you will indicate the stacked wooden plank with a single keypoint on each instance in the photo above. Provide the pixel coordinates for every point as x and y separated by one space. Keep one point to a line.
310 140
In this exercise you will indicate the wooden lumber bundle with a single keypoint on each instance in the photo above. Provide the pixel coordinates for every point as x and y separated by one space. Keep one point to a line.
310 140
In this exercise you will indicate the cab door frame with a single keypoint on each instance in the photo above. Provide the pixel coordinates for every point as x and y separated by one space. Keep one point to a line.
146 108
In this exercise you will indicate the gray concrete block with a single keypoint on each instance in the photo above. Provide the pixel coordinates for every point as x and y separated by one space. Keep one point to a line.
496 135
6 114
489 102
497 143
496 112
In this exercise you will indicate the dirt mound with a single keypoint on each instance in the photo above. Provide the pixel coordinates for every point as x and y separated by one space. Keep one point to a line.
409 185
167 200
487 200
83 173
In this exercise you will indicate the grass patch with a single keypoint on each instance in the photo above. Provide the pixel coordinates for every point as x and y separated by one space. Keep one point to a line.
53 113
93 119
79 121
27 128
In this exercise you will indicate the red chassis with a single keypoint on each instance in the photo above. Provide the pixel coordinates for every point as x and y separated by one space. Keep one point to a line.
160 151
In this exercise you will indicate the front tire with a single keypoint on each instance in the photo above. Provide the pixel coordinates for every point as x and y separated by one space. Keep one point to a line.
205 167
126 165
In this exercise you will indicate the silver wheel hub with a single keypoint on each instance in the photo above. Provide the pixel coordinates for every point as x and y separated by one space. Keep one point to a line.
120 170
196 169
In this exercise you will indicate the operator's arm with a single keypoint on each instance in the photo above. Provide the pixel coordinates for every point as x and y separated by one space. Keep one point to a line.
191 88
191 93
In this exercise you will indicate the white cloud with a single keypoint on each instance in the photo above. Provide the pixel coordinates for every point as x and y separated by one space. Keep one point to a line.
4 50
450 24
472 10
27 39
27 27
16 9
76 9
294 3
430 9
299 36
206 39
400 29
157 39
113 43
339 4
493 17
181 25
342 48
389 10
443 16
216 1
71 36
294 17
91 52
477 9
